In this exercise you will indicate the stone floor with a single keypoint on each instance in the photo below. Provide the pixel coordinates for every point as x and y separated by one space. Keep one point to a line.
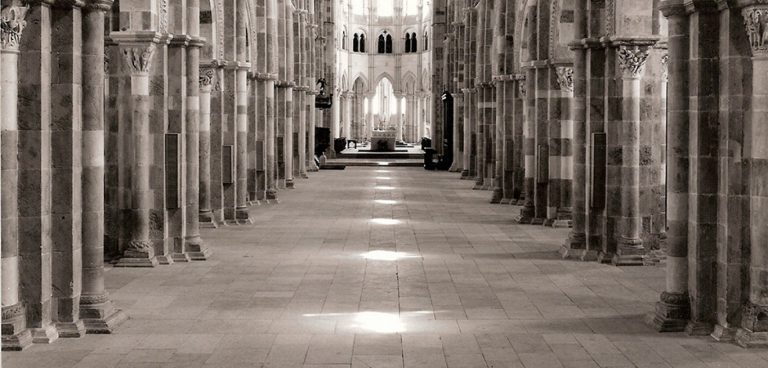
386 267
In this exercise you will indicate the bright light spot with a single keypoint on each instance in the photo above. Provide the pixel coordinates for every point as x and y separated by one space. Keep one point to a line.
383 178
385 201
384 187
386 255
383 163
385 221
380 322
377 322
382 171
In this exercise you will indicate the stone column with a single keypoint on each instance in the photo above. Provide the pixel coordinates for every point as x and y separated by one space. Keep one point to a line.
15 335
207 75
288 126
301 143
66 168
281 115
673 310
34 172
561 159
499 135
518 157
267 90
96 309
313 114
241 95
505 101
754 331
529 146
468 142
138 50
196 249
479 137
398 119
632 60
575 245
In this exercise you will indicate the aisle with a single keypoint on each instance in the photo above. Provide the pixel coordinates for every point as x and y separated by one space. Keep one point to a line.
385 267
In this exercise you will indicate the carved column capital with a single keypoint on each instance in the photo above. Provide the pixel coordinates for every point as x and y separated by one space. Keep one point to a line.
756 23
632 60
12 24
565 78
523 88
207 77
138 57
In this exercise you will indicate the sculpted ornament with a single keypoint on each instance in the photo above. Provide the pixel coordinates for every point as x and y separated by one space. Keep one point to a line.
207 76
756 22
163 27
139 59
665 67
12 23
632 60
565 78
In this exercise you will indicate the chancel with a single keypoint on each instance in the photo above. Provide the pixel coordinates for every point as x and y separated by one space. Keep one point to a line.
384 183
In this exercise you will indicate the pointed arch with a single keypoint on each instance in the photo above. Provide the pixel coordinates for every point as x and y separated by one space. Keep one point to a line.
413 42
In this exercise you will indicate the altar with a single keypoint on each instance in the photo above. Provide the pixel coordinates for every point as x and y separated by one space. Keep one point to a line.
383 140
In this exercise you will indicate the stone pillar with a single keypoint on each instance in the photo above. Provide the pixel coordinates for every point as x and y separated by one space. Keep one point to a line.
529 146
66 168
576 246
207 75
288 126
561 159
479 137
468 142
673 309
34 172
96 309
195 248
632 60
518 157
281 117
259 154
313 114
506 108
138 50
301 143
754 331
267 91
499 135
218 123
15 335
241 96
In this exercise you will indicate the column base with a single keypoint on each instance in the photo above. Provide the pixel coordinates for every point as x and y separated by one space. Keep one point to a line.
573 247
242 217
197 250
15 335
312 166
477 186
497 196
505 201
604 257
696 328
101 318
44 335
724 334
538 221
548 222
289 183
165 259
589 255
179 258
71 329
136 258
304 175
630 252
271 196
465 174
672 313
754 330
560 223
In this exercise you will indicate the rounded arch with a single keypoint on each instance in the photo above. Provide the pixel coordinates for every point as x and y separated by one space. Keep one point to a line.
561 31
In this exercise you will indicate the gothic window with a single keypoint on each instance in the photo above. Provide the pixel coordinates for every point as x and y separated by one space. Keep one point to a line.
343 40
355 43
407 43
389 44
425 42
413 43
362 43
382 44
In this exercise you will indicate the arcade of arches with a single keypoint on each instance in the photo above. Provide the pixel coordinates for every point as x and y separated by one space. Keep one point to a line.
639 126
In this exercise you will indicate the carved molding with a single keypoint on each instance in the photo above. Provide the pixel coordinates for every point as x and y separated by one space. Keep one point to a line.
139 245
632 60
12 24
139 58
163 26
106 64
94 299
12 311
220 28
756 22
523 88
565 78
610 17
